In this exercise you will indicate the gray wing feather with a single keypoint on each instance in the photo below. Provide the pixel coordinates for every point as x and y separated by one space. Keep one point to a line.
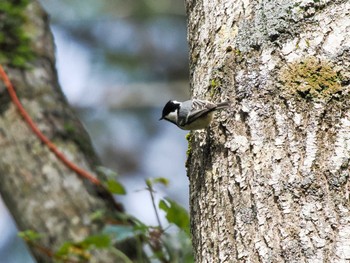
193 109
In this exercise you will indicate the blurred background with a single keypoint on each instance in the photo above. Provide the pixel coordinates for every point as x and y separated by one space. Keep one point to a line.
118 63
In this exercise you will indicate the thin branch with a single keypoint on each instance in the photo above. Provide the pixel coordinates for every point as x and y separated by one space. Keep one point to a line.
150 189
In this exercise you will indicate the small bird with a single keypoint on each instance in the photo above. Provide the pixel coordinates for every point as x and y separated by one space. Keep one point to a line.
191 114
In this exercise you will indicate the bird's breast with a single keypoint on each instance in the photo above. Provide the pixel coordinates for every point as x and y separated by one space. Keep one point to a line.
200 123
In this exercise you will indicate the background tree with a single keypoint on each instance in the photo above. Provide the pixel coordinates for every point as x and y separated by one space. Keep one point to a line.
43 195
269 181
62 212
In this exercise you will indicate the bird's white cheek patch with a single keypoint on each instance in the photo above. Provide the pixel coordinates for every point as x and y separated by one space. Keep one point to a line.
172 116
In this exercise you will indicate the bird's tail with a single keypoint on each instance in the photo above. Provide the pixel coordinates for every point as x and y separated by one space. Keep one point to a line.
223 105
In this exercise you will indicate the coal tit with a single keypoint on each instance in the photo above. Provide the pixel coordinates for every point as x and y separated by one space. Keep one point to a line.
191 114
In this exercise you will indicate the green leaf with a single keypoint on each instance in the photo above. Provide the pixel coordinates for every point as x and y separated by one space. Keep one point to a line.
98 215
115 187
163 205
141 228
161 180
176 214
149 183
65 249
158 180
109 173
119 232
30 235
79 248
97 241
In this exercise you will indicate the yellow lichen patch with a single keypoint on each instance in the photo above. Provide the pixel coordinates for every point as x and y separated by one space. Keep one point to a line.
311 78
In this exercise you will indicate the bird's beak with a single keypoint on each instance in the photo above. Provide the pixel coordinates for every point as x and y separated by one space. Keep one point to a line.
161 118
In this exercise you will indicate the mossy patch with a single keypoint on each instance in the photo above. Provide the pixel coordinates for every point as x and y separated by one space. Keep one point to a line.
311 78
15 47
214 87
216 81
189 140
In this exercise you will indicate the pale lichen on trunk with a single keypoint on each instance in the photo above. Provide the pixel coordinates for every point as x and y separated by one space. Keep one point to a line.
269 179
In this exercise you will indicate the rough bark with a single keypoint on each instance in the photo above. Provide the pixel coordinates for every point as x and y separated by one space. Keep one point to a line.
41 193
269 180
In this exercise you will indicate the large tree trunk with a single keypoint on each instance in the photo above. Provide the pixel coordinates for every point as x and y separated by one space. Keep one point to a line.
269 181
41 193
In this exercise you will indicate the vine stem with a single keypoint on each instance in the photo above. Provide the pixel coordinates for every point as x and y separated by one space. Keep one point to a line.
11 90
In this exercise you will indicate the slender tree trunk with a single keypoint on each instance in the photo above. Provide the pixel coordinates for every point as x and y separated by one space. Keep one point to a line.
269 180
41 193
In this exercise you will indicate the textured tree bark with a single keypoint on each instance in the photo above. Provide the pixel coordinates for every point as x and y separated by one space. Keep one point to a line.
269 180
41 193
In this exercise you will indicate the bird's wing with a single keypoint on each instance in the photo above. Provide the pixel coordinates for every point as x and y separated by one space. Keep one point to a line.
202 105
198 109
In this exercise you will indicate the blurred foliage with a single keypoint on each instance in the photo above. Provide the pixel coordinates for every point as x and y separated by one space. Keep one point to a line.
29 235
80 250
157 244
176 214
163 247
111 183
115 187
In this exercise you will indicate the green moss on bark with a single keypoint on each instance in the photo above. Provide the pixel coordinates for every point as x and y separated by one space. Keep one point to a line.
311 78
15 47
189 140
214 87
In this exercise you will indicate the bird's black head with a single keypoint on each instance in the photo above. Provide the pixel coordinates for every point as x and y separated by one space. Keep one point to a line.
170 107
